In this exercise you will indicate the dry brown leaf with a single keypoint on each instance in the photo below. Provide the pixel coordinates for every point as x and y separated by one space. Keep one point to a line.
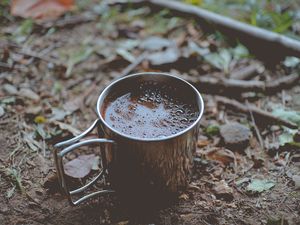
222 155
202 143
78 102
222 190
41 10
67 127
81 166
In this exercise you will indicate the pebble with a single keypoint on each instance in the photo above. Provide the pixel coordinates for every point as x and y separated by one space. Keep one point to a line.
235 135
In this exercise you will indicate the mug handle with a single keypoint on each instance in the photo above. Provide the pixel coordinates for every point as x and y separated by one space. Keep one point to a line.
72 144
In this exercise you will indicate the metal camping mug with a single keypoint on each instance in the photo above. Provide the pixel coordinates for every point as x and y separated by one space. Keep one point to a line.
132 166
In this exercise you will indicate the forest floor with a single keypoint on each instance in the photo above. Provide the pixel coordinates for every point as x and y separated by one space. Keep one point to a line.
247 167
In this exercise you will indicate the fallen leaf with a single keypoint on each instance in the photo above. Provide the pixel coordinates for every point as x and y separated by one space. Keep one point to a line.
2 112
125 222
170 55
224 57
220 60
10 192
125 54
23 31
41 10
58 114
76 57
223 191
291 61
28 93
222 155
10 89
80 166
202 143
155 43
258 186
290 115
288 137
242 181
240 51
212 130
32 144
296 179
33 110
194 48
183 197
75 104
68 127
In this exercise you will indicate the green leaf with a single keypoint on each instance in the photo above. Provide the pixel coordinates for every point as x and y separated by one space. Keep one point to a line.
10 192
291 61
194 2
223 58
212 130
77 57
220 60
258 186
287 137
21 33
291 116
240 51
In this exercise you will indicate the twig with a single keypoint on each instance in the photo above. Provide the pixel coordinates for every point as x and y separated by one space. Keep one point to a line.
222 85
282 83
133 65
232 87
18 49
257 113
247 72
40 56
254 37
261 142
74 83
70 21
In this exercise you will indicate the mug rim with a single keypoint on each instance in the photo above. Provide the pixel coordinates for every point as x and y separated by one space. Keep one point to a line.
102 95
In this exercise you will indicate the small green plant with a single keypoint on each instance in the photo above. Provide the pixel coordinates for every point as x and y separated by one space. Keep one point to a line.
22 32
268 14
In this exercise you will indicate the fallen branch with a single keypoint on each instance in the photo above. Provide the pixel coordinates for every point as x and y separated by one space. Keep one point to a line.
233 87
69 21
248 72
282 83
222 85
264 41
258 114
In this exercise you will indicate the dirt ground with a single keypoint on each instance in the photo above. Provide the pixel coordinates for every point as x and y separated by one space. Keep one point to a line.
51 91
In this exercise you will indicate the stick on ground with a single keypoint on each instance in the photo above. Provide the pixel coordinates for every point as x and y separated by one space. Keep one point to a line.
259 115
233 87
263 41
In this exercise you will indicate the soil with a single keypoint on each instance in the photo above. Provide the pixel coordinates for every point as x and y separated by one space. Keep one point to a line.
217 194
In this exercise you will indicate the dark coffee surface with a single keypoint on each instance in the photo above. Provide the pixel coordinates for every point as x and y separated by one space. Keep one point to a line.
150 110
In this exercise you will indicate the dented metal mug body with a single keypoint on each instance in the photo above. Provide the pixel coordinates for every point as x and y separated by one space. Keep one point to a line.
137 168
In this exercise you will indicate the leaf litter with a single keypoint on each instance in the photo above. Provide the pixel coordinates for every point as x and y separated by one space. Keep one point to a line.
41 10
81 166
224 180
